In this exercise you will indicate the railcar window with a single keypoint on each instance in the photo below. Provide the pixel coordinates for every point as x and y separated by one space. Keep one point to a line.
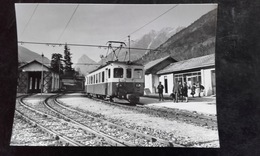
96 78
103 76
108 73
99 75
138 73
118 72
128 73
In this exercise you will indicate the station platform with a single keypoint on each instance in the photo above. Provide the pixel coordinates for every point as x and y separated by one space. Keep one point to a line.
204 104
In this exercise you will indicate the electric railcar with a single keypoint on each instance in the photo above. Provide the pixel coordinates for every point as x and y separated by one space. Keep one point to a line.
122 80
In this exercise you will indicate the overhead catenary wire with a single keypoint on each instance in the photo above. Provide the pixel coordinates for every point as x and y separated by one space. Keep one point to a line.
150 21
94 64
25 27
68 22
80 45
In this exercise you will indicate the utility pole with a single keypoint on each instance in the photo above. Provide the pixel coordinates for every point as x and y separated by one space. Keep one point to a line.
129 46
42 76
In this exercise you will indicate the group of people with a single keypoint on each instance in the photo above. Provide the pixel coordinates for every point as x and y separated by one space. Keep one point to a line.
180 91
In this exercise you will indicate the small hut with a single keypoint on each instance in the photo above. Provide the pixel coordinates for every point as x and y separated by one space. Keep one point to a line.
30 78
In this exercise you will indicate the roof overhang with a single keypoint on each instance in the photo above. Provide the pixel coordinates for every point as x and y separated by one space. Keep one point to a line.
158 64
186 70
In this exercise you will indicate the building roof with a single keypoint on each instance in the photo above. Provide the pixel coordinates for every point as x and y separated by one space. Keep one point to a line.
198 62
35 66
31 62
152 64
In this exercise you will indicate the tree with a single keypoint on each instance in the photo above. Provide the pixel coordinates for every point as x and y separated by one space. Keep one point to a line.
67 59
56 64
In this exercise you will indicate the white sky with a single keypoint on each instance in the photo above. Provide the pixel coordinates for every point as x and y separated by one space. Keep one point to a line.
96 24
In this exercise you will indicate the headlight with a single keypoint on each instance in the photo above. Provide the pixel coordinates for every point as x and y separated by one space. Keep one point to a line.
119 85
138 85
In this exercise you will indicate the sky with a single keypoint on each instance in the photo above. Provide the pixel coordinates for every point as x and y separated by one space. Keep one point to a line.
96 24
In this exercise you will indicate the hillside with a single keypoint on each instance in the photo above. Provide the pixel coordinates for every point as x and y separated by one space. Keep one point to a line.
196 40
149 41
25 55
84 65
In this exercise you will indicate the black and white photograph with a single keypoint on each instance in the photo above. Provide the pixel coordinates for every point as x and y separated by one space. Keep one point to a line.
116 75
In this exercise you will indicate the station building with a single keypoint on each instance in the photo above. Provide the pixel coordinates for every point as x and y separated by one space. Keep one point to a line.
151 76
30 78
199 69
167 70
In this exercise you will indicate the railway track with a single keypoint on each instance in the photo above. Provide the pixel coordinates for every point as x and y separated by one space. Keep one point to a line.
112 130
27 134
67 132
194 118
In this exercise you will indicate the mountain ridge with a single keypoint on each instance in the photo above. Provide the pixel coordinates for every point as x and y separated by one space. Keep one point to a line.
196 40
151 40
25 55
85 65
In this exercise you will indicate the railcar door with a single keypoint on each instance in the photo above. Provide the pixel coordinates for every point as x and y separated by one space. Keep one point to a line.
107 75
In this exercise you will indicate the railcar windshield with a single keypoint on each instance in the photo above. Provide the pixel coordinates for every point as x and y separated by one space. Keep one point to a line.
138 73
118 72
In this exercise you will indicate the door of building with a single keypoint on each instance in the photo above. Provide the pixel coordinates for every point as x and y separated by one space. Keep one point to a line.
34 80
166 84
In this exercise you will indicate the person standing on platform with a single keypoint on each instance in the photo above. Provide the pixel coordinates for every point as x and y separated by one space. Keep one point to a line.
176 91
160 91
185 91
200 88
193 87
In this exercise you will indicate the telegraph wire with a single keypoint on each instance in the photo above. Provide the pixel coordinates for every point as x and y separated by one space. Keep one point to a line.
30 19
68 22
151 21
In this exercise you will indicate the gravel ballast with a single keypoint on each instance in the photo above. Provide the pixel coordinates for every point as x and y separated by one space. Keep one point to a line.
199 136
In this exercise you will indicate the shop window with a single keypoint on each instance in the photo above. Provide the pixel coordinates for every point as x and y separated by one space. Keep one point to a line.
199 79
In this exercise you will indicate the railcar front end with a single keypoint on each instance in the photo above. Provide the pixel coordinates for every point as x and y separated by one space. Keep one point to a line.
117 79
